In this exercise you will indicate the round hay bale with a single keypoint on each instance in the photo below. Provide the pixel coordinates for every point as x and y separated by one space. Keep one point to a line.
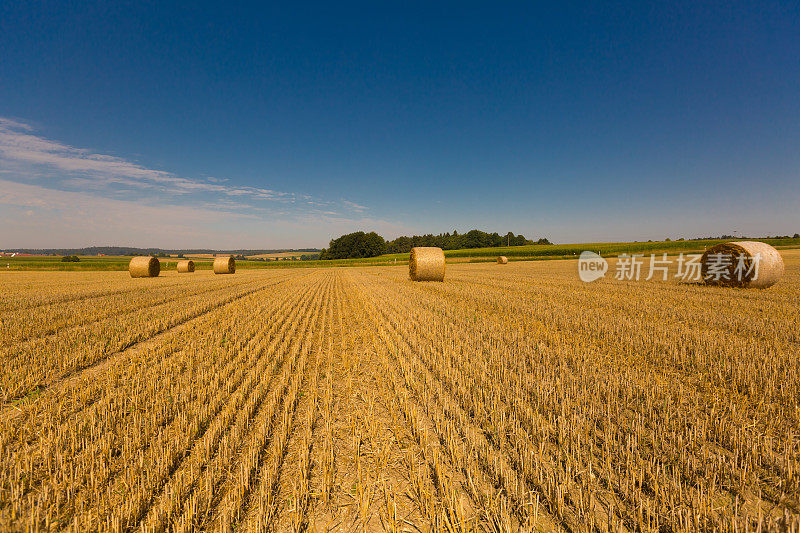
144 267
224 265
426 263
186 266
502 260
733 264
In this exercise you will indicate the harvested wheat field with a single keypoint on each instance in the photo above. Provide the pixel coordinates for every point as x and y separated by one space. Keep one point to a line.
352 399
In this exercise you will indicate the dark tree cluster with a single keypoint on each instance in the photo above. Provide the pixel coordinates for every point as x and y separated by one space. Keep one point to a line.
70 259
360 244
355 245
455 241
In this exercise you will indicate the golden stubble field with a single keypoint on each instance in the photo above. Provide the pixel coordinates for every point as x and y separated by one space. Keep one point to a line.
509 398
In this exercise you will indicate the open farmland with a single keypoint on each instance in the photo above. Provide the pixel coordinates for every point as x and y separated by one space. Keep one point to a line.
472 255
508 398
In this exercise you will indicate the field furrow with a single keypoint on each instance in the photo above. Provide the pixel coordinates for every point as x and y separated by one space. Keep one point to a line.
33 365
632 493
261 455
113 410
239 396
508 398
17 328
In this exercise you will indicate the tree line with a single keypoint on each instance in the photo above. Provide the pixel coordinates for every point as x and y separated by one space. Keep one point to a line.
360 244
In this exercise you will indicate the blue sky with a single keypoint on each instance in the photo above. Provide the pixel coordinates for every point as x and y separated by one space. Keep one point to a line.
215 125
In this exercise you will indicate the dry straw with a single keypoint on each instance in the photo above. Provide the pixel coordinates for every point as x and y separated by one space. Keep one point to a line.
144 267
186 266
769 269
224 265
426 264
502 260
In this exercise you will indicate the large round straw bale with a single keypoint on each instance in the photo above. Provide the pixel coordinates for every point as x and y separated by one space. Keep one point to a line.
426 263
186 266
224 265
733 264
144 267
502 260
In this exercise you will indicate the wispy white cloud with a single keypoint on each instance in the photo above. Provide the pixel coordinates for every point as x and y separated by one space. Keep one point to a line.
82 168
54 194
27 154
17 143
39 217
53 218
354 206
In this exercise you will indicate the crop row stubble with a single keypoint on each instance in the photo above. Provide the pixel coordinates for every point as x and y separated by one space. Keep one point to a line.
500 400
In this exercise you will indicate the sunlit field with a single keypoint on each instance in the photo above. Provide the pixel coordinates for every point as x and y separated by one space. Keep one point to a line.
508 398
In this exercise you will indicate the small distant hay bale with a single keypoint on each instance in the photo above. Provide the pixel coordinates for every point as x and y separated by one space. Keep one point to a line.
224 265
186 266
732 264
144 267
502 260
426 263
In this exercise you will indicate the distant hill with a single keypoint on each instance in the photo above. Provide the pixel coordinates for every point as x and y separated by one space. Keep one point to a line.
128 250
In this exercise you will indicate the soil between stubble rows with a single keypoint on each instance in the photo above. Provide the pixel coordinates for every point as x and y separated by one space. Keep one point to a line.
508 398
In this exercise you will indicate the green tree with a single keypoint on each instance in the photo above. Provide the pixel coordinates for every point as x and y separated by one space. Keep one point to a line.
447 241
355 245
